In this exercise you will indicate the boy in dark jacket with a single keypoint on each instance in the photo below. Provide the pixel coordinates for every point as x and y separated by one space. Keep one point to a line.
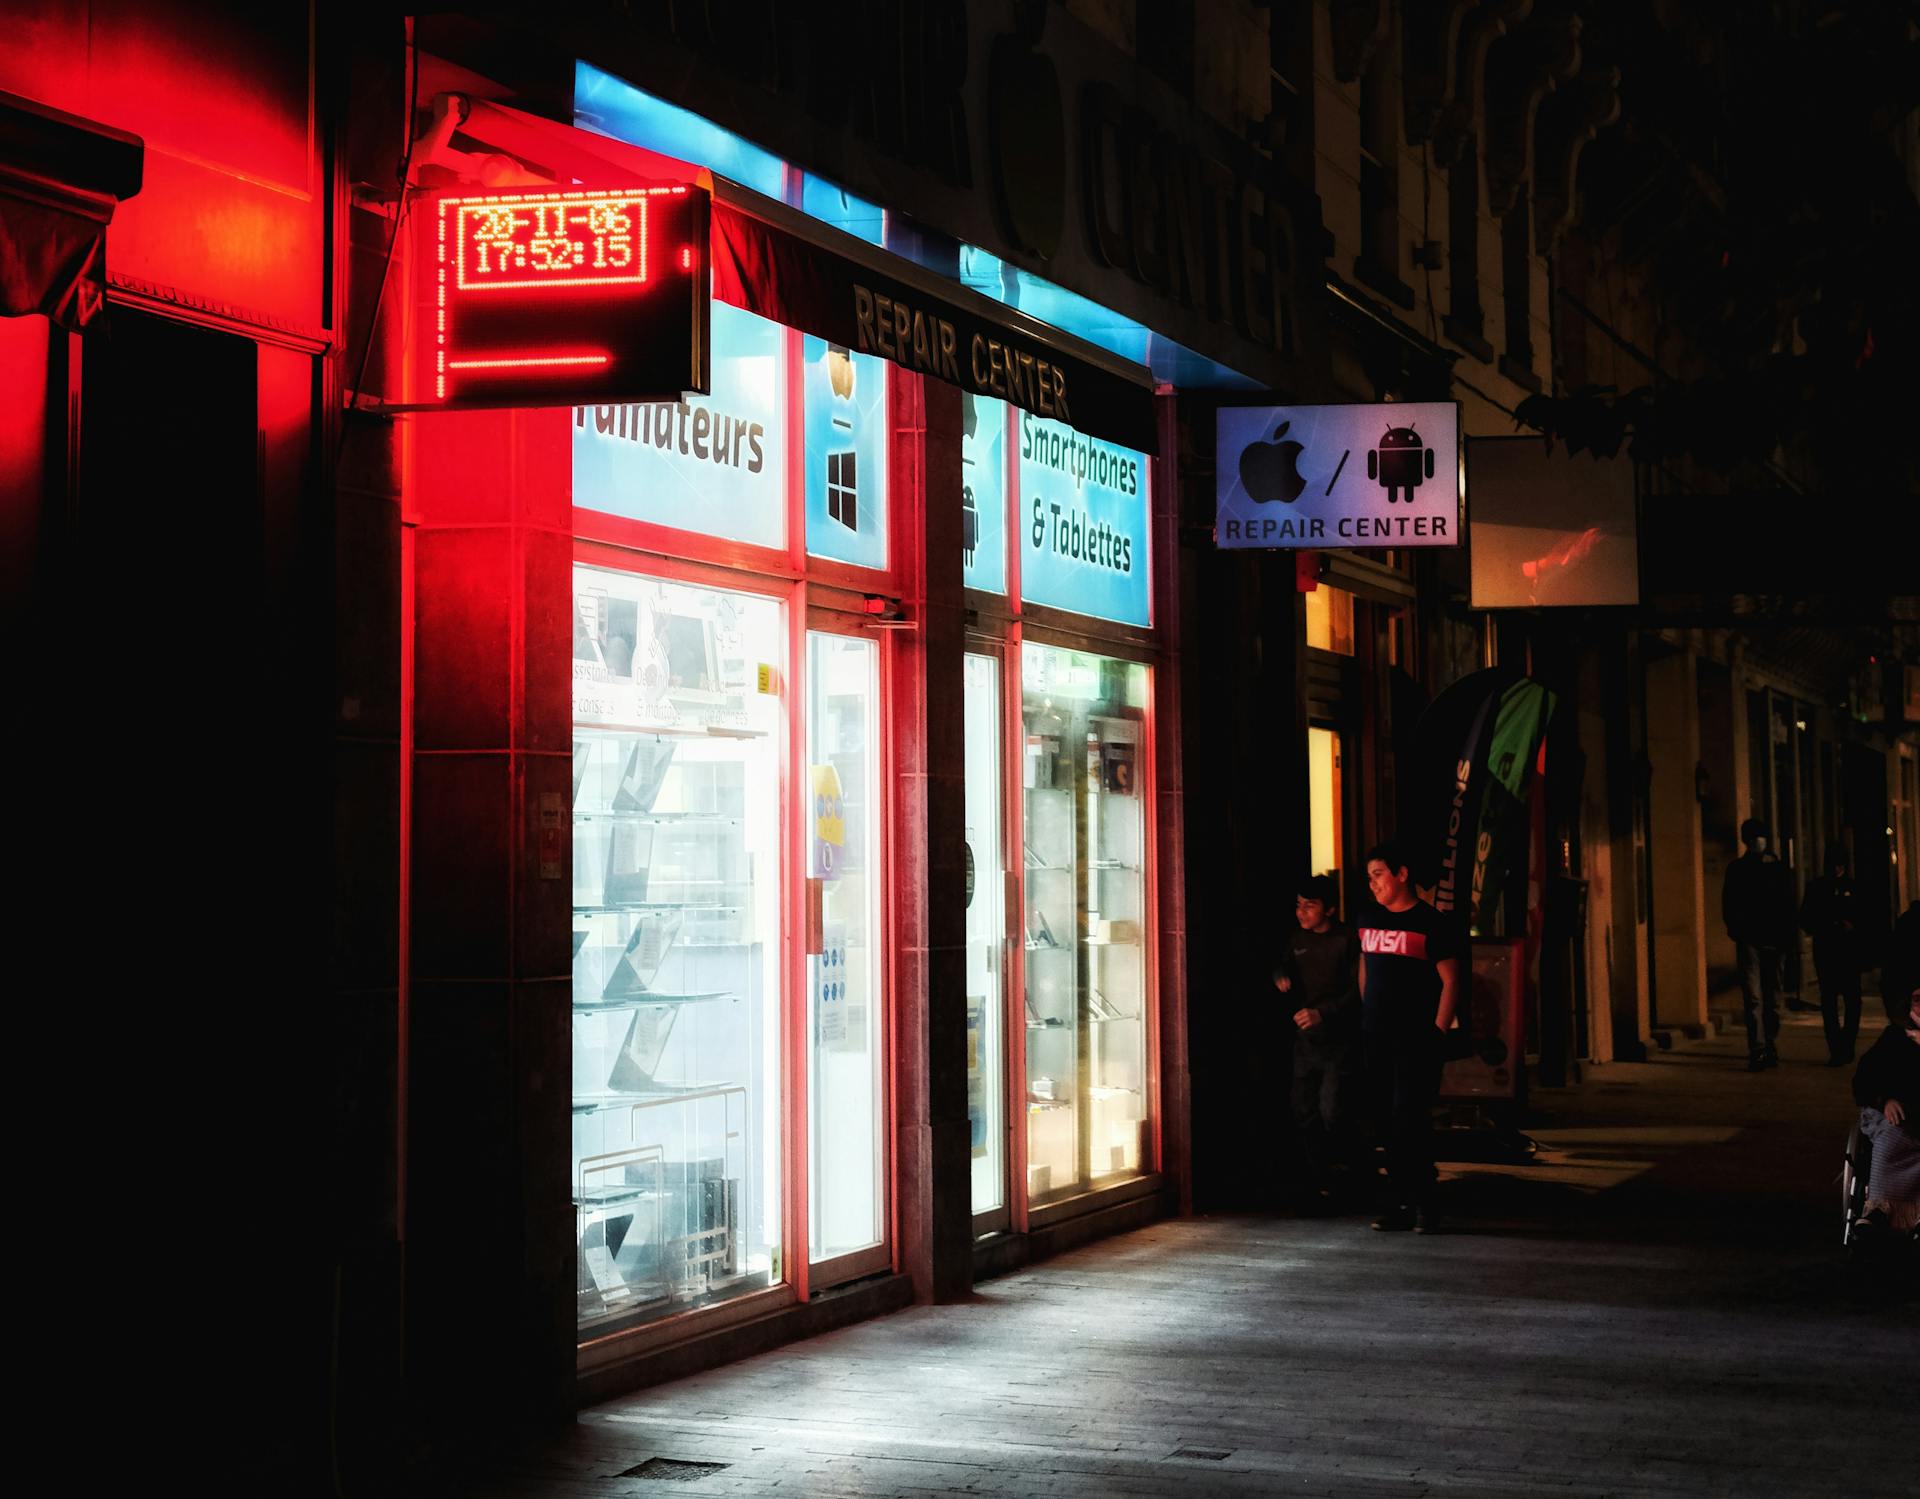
1829 914
1318 973
1757 905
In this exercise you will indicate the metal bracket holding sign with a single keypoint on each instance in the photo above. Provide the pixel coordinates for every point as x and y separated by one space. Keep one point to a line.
1381 475
578 296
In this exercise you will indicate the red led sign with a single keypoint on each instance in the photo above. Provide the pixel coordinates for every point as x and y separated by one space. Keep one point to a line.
561 298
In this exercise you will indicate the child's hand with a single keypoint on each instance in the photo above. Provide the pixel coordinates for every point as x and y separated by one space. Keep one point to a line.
1283 983
1895 1111
1306 1019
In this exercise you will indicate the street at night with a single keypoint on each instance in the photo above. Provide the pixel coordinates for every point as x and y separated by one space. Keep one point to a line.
1649 1305
1035 747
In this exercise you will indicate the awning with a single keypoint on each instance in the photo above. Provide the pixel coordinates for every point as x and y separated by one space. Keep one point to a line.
775 261
61 177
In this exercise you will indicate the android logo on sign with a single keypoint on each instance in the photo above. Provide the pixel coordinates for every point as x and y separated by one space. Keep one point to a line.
1400 463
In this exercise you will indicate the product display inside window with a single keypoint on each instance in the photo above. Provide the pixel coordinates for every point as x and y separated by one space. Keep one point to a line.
986 939
1086 919
676 900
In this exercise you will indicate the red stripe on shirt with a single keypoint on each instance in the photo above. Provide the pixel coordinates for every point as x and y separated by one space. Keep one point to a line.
1393 942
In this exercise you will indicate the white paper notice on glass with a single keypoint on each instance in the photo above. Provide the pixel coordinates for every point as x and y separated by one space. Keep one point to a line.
830 983
600 1267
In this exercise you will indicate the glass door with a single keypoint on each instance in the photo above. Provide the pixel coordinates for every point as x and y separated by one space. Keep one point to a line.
846 958
986 946
1086 919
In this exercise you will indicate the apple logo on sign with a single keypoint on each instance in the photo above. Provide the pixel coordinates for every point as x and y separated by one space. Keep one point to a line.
1271 470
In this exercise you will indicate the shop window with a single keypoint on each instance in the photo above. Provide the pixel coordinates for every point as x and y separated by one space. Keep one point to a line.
1086 915
983 492
713 465
1325 809
1379 261
1516 280
845 396
1464 319
674 1172
1330 620
986 941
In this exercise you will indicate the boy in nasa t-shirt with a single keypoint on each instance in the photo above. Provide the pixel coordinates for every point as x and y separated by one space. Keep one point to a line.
1410 971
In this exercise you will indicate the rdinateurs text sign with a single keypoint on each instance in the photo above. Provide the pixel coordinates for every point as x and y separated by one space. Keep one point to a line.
561 298
1384 475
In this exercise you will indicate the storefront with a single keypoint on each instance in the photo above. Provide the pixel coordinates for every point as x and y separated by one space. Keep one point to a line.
836 630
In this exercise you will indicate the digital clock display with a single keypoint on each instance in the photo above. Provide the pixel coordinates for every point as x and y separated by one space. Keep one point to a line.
575 239
562 298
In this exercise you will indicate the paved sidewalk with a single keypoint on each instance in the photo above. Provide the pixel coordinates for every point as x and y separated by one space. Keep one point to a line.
1657 1305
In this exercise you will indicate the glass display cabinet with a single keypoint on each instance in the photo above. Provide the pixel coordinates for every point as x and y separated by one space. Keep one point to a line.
1085 918
675 905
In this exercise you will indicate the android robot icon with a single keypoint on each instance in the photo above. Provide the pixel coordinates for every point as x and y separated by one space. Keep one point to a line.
1400 463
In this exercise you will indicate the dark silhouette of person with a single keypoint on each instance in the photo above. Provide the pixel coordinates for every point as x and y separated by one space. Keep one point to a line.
1756 902
1830 914
1319 973
1413 962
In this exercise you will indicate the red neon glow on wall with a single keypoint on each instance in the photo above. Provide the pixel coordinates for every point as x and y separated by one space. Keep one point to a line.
531 361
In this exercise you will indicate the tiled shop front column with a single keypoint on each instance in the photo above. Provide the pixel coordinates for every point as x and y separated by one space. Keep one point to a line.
489 1284
931 1142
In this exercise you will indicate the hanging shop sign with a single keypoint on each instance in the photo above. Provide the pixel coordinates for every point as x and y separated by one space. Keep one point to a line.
1083 522
532 299
1386 475
942 334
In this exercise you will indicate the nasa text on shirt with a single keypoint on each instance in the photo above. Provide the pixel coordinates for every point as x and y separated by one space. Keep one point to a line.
1378 475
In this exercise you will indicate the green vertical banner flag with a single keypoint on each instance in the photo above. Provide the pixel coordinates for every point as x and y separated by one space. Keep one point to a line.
1501 845
1475 749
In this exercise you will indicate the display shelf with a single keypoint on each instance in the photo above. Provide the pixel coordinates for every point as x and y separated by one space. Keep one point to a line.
1113 1019
642 1001
656 905
1048 947
662 731
1111 941
596 1198
663 819
1049 1025
1043 1104
599 1101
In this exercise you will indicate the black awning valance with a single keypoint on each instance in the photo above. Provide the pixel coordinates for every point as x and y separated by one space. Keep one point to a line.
61 177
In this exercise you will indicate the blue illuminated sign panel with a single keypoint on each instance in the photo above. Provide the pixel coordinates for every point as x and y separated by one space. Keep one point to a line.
1083 522
983 491
845 395
707 464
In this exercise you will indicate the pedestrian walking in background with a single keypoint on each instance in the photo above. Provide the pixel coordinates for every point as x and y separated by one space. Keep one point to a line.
1318 972
1410 986
1756 902
1830 915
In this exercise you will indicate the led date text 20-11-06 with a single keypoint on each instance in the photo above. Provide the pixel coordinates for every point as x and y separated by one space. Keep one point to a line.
566 240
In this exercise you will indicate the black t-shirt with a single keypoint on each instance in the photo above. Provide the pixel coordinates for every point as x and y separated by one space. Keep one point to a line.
1401 951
